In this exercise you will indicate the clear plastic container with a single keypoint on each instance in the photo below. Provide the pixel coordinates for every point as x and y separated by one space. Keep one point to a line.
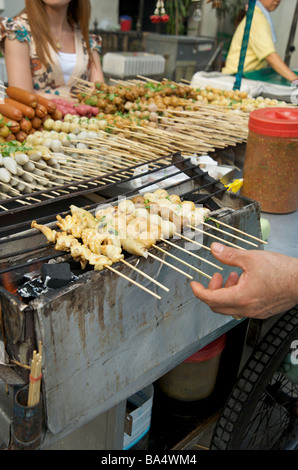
271 160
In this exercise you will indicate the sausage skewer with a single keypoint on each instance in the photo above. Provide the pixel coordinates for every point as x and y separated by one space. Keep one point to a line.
27 111
23 96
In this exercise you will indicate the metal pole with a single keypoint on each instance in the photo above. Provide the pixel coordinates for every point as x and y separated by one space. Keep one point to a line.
290 47
140 16
239 74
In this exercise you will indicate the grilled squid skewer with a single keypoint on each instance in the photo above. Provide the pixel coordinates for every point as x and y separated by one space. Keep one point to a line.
108 253
50 234
84 215
84 255
72 224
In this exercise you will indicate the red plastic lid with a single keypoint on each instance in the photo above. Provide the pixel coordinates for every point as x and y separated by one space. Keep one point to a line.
279 122
208 352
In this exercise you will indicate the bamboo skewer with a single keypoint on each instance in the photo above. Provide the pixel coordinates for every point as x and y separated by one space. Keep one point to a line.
217 238
132 281
191 254
114 155
145 275
192 241
170 265
16 192
230 234
181 261
123 144
212 115
90 84
237 230
17 363
100 159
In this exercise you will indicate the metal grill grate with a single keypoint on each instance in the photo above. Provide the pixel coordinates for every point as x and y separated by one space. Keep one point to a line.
12 211
19 235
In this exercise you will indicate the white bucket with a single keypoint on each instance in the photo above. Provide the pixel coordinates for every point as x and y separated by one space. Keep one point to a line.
140 416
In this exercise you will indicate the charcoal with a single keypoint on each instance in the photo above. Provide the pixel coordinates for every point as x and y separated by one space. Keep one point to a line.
31 289
56 275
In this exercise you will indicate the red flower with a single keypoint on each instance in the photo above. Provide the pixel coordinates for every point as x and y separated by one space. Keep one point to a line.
155 18
165 18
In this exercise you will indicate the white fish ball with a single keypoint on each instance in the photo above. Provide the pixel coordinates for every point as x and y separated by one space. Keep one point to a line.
21 158
83 135
35 156
14 181
20 187
4 188
56 145
11 165
5 175
27 177
20 170
41 164
29 166
82 146
74 128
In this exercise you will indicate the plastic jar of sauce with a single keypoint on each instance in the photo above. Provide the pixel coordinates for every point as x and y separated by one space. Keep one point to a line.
271 160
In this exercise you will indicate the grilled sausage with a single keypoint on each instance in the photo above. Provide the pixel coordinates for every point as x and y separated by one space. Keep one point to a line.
27 111
49 104
41 111
11 112
23 96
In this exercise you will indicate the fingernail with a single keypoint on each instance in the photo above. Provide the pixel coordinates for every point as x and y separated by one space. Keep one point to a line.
217 247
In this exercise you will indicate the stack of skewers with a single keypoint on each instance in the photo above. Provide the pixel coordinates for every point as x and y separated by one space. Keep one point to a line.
137 121
35 377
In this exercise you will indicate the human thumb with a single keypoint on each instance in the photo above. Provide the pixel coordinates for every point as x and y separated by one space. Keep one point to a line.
228 255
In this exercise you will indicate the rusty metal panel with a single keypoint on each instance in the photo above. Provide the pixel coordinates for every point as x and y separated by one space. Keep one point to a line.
102 348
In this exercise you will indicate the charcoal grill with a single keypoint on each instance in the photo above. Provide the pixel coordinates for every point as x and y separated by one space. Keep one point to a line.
104 338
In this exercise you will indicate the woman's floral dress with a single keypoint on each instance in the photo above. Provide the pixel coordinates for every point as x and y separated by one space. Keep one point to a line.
49 78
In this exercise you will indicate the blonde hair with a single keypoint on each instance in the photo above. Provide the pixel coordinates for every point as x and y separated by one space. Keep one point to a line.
78 13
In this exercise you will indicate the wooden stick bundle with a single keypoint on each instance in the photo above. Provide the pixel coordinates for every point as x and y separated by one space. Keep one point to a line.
35 378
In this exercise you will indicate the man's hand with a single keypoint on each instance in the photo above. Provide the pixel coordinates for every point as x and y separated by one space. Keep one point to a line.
268 284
